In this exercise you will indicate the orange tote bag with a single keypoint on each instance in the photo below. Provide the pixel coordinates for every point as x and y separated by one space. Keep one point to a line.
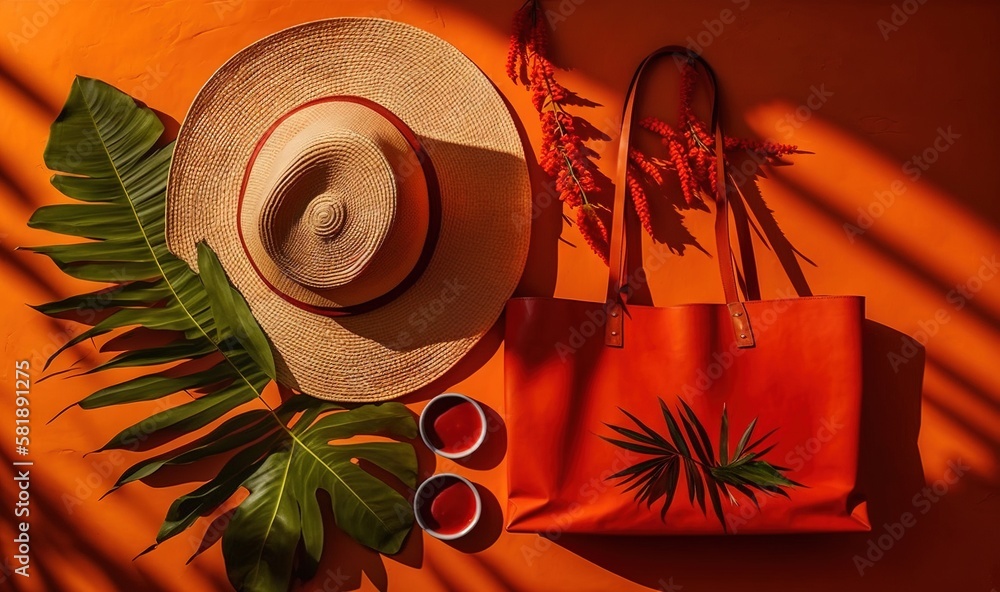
740 417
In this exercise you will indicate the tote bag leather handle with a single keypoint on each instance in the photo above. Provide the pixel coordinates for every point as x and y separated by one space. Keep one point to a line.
618 289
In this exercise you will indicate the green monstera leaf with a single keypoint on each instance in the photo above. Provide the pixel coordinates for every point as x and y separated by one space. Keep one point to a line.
283 495
104 149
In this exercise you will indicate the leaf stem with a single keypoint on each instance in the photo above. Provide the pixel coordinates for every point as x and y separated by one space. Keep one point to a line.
557 109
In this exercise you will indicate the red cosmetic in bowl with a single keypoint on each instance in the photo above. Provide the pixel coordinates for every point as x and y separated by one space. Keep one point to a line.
453 425
447 506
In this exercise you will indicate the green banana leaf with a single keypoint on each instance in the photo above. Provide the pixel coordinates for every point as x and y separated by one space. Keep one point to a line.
104 150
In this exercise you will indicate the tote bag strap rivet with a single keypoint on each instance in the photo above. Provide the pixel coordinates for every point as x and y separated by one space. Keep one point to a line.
617 281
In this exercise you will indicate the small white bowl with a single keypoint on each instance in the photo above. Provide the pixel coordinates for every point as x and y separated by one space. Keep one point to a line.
428 490
425 429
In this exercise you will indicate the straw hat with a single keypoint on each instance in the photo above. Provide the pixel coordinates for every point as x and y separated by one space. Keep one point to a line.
365 189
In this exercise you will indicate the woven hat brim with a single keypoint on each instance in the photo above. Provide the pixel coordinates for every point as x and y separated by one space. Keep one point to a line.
478 157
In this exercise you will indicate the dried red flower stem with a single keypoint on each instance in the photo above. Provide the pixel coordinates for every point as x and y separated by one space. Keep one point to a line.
645 165
690 148
563 152
692 151
593 230
640 200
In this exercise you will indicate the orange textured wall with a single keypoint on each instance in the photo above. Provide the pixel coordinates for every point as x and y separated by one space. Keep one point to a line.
901 118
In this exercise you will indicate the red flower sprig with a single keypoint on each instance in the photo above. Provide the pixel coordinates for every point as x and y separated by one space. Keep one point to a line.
639 166
639 198
691 149
593 230
564 152
644 164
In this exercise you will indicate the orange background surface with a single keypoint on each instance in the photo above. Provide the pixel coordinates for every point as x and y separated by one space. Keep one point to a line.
821 75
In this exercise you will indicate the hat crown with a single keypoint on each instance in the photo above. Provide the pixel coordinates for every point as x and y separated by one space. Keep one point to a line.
326 214
336 203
